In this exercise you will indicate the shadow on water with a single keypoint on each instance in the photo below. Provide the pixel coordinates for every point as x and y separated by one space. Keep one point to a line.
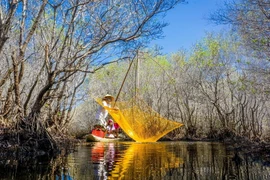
130 160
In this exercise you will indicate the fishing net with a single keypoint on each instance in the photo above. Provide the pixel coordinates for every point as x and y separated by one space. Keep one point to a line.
136 118
139 121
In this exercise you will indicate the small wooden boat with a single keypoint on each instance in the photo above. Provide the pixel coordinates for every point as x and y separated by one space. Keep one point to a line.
98 135
93 138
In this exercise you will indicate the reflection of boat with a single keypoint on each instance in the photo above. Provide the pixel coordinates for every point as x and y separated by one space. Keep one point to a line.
93 138
98 152
63 176
103 155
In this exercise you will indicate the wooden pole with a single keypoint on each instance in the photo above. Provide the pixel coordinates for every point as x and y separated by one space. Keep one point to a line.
137 85
123 82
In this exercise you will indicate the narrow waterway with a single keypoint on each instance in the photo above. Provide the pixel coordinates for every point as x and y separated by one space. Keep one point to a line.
142 161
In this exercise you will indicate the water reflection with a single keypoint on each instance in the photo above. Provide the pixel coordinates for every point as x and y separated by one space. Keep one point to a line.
146 161
130 160
171 160
103 157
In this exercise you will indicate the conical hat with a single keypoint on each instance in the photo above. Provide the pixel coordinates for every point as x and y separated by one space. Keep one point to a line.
108 96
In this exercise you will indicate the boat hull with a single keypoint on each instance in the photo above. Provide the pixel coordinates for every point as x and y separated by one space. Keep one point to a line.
93 138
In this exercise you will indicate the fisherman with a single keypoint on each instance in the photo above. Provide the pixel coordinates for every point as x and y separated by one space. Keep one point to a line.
102 113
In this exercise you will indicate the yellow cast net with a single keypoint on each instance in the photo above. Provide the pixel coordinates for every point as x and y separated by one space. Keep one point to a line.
136 118
139 121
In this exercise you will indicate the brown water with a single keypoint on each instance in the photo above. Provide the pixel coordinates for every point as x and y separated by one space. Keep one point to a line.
143 161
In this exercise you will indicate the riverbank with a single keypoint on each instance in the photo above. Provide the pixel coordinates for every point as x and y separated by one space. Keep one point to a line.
10 148
24 147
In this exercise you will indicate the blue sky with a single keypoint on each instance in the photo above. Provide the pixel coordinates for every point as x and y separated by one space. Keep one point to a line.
188 24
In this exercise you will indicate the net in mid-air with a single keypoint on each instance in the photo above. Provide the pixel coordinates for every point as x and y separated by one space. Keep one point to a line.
139 121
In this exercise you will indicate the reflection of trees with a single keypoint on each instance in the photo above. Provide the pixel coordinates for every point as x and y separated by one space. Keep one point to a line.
163 160
34 168
240 166
212 161
192 160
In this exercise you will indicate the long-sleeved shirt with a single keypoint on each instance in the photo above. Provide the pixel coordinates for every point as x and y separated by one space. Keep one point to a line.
102 113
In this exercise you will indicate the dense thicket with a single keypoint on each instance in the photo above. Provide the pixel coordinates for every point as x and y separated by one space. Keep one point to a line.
209 90
47 48
250 20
